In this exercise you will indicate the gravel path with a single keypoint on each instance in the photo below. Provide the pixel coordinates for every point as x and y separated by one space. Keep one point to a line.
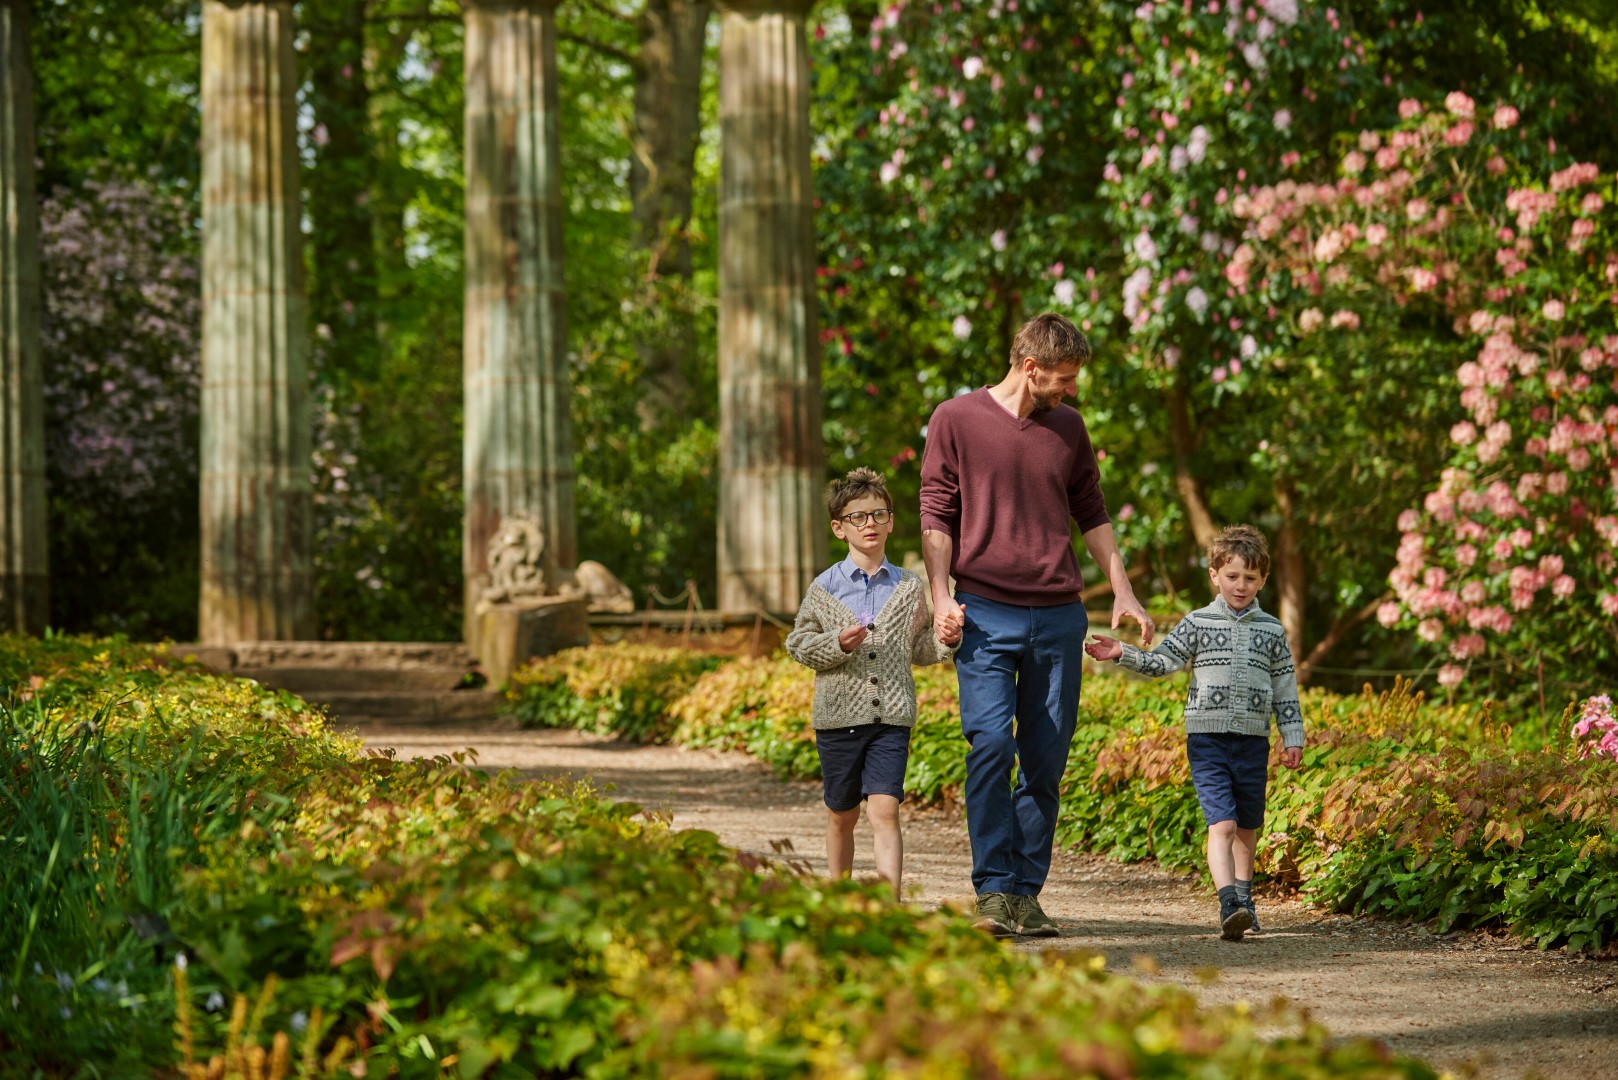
1458 1000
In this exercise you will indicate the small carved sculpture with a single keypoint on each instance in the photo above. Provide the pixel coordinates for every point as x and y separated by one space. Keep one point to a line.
516 562
603 589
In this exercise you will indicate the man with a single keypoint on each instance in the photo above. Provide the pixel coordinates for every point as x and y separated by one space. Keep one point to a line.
1006 471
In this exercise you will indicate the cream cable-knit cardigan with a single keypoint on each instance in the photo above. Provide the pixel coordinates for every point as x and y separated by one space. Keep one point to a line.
872 684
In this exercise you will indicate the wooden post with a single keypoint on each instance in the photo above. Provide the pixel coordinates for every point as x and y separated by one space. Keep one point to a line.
24 578
518 455
256 577
772 539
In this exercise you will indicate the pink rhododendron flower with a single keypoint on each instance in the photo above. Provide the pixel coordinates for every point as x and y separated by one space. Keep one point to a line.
1562 587
1459 104
1348 320
1409 108
1387 613
1505 116
1423 280
1450 675
1458 134
1311 320
1553 310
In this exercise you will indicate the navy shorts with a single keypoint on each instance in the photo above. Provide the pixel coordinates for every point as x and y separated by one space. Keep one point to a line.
1229 772
860 761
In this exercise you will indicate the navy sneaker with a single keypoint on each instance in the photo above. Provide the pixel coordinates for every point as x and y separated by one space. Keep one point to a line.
1252 913
1234 920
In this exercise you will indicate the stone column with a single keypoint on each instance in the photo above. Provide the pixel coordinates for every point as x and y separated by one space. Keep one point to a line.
256 579
518 454
24 581
772 527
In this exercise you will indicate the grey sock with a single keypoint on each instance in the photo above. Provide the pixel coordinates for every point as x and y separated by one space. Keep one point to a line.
1244 890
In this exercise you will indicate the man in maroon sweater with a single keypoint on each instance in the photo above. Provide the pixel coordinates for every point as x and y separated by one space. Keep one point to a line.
1007 470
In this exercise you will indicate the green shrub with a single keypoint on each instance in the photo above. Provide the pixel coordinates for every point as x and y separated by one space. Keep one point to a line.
429 920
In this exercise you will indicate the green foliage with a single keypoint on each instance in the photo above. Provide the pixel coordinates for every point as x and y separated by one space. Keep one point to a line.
424 919
1403 808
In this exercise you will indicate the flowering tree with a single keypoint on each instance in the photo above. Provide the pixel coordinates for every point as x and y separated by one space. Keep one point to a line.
1214 100
122 349
1508 565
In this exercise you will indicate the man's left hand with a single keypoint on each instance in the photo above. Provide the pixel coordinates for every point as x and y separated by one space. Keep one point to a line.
1127 605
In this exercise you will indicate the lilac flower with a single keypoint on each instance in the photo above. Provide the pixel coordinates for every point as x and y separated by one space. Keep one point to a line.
961 327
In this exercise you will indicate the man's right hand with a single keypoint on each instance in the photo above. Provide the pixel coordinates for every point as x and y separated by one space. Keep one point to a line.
851 637
949 619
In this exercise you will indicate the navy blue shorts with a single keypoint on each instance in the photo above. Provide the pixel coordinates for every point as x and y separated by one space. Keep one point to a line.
860 761
1229 772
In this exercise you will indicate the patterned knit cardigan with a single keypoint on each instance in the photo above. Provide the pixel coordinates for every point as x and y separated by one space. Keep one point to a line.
1241 671
872 684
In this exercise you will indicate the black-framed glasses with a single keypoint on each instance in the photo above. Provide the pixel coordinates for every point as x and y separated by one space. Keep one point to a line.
859 517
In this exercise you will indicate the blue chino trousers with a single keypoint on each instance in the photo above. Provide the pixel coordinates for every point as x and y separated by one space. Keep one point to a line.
1019 670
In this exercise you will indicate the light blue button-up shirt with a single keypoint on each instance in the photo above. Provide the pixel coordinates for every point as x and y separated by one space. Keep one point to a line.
863 594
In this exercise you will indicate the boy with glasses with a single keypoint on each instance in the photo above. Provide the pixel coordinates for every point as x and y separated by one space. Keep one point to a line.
861 626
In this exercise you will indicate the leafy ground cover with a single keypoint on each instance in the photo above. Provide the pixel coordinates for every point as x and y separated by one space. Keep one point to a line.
1404 808
201 879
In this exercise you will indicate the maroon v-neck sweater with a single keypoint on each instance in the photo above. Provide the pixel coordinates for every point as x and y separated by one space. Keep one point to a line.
1006 491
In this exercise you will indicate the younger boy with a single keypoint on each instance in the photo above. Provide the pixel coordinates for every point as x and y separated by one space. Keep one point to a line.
862 624
1241 673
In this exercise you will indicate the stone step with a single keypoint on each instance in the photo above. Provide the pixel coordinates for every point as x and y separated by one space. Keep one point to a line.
305 680
352 654
406 707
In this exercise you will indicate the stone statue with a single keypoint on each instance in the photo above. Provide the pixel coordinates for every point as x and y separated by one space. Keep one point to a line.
517 569
604 590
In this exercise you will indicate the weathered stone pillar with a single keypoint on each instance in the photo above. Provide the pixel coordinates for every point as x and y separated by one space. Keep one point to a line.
24 581
256 580
518 456
772 529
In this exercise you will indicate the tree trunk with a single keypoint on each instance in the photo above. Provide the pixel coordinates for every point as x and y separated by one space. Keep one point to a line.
1183 441
1289 571
343 292
668 124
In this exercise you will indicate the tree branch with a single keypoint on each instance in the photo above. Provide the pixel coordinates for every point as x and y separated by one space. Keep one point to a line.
605 50
597 5
1338 631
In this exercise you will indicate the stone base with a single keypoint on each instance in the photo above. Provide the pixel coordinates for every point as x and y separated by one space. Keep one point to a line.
507 635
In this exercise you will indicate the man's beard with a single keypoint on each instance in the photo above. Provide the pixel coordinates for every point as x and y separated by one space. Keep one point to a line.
1044 404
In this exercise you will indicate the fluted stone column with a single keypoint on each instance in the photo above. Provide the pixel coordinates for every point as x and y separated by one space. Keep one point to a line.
518 454
256 580
24 587
772 528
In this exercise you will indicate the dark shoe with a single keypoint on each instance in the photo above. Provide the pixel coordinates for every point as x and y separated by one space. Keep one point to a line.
994 914
1234 921
1031 918
1252 913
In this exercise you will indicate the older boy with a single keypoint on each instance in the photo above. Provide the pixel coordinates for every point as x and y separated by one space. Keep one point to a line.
861 625
1241 675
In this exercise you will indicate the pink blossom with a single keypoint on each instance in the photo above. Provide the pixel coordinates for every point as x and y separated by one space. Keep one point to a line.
1553 310
1310 320
1466 646
1591 203
1473 591
1354 162
1556 483
1459 104
1111 174
1429 629
1466 555
1423 280
1450 675
1574 175
1505 116
1578 459
1409 108
1349 320
1609 604
1416 209
1387 613
1562 587
971 67
1409 520
1458 134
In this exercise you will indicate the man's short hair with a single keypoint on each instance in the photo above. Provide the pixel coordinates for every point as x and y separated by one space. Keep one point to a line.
1240 540
1052 340
857 484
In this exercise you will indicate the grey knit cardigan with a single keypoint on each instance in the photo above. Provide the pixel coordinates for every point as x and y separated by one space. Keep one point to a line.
1241 671
872 684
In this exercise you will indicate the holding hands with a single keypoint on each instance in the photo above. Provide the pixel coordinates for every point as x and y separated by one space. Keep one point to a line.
949 619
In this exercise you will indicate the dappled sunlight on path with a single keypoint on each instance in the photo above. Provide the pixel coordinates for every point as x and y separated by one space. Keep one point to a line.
1450 999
